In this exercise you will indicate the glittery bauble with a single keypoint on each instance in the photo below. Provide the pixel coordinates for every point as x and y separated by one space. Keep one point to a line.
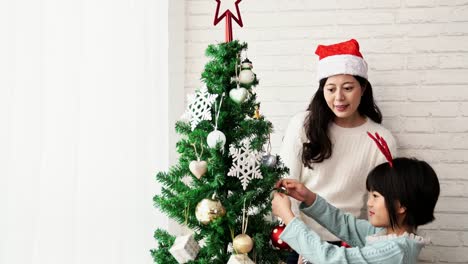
208 210
214 137
269 160
242 244
275 240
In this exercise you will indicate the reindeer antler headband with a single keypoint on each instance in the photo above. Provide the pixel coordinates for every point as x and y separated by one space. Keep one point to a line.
382 145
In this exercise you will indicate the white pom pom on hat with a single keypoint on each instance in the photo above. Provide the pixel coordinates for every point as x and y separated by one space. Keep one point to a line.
340 58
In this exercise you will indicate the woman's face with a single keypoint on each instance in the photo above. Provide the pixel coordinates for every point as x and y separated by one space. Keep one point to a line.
343 95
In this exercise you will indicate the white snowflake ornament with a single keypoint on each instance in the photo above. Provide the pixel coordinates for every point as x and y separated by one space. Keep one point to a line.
245 163
199 106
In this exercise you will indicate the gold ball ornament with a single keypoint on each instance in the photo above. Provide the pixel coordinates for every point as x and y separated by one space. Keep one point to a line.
208 210
242 244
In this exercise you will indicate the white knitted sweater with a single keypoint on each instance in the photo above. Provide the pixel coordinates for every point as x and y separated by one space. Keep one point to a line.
341 179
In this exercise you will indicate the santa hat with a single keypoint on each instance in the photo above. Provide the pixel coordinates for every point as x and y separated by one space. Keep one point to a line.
340 58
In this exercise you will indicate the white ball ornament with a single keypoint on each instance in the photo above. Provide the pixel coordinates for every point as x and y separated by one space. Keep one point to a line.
239 95
246 76
214 137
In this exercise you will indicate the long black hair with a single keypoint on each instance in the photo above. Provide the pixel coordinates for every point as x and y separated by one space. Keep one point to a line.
319 146
411 182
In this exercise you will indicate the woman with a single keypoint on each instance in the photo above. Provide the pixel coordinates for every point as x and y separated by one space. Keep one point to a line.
326 147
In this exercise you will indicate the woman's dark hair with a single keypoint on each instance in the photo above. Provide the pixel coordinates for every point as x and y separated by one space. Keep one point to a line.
319 146
411 182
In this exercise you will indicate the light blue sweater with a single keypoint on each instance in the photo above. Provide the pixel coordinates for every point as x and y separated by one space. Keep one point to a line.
368 245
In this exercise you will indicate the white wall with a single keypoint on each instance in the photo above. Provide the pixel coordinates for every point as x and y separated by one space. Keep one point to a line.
86 120
418 54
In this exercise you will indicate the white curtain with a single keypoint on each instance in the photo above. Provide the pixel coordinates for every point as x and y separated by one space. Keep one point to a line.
85 124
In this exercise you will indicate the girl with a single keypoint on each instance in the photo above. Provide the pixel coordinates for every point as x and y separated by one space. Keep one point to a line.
402 195
326 147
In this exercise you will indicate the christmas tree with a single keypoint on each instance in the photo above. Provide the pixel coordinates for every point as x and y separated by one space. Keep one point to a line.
220 188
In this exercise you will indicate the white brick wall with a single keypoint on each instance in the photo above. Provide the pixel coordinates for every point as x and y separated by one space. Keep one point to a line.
418 56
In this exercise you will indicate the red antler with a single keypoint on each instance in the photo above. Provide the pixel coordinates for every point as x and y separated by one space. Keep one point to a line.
382 145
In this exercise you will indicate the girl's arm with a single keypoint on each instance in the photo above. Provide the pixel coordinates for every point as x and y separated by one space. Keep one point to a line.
345 226
308 244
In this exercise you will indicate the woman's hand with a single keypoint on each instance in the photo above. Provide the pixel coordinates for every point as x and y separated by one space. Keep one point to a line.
281 207
297 190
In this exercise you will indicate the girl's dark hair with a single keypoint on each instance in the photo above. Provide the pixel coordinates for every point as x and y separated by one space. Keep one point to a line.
411 182
319 146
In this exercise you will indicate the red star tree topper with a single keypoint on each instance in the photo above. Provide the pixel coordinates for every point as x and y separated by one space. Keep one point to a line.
226 12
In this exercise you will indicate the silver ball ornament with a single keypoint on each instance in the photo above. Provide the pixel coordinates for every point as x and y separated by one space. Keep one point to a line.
269 160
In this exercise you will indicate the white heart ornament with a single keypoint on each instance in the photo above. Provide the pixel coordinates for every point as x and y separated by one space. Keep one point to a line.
238 95
198 168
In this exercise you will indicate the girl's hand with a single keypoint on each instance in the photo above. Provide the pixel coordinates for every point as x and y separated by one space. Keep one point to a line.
297 190
281 207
